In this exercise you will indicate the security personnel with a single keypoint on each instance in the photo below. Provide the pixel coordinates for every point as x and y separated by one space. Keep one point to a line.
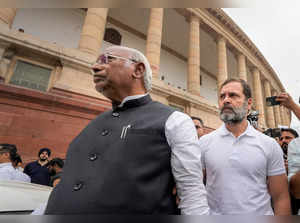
126 160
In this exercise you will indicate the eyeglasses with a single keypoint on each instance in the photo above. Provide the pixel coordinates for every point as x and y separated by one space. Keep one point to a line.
106 58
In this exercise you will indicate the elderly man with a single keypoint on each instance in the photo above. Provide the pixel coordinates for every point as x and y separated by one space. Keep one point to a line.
127 159
244 168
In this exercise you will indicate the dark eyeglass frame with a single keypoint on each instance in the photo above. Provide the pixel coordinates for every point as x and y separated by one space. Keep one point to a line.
198 127
106 58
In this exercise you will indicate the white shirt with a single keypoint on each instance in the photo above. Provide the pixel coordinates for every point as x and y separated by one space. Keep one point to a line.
8 172
22 176
237 171
182 137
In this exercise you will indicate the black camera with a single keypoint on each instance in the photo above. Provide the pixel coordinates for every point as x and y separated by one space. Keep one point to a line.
253 118
274 133
271 101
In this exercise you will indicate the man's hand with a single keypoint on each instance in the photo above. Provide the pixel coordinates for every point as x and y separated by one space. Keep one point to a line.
174 192
286 100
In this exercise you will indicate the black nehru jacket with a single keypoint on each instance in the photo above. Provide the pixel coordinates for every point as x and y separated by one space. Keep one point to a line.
119 164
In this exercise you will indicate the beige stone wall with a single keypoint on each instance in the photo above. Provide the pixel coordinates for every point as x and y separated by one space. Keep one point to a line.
76 80
209 118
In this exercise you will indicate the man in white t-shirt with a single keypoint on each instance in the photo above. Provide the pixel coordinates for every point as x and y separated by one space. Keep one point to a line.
244 168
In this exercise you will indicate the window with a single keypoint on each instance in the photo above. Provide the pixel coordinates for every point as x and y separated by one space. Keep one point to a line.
112 36
31 76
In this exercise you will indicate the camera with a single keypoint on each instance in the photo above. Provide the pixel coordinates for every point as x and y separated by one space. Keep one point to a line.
253 118
274 133
271 101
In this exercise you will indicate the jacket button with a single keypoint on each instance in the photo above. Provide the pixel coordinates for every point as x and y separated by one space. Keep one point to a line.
93 157
115 114
104 132
77 186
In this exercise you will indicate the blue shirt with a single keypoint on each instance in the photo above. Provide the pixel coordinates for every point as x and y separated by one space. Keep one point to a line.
38 174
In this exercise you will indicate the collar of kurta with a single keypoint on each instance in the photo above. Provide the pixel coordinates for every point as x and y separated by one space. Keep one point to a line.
131 102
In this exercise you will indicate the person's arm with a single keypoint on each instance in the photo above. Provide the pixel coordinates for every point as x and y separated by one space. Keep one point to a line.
295 185
186 164
55 182
286 100
278 189
277 180
26 170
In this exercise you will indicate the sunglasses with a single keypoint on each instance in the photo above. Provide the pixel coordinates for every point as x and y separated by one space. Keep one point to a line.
106 58
197 127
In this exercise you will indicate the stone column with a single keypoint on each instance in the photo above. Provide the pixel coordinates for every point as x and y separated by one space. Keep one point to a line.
93 29
154 36
222 61
287 121
242 70
257 90
283 116
270 112
3 64
194 57
7 16
277 111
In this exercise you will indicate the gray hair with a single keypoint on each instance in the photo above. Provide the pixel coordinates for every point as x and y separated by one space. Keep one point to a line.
139 57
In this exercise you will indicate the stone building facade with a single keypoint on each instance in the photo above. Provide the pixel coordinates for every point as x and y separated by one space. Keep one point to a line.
47 95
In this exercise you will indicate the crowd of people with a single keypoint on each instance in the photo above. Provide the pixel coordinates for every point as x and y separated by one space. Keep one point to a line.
143 157
42 171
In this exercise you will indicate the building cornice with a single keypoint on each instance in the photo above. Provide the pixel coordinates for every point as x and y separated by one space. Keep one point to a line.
239 34
67 56
218 23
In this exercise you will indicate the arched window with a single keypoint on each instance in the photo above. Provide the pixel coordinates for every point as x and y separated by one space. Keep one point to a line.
112 36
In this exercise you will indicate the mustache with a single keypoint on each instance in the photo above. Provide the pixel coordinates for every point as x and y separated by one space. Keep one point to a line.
227 107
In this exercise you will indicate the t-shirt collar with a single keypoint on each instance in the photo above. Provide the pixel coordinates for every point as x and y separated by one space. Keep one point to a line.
250 131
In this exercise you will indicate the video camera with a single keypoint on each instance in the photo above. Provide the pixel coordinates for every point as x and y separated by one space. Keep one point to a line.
252 117
274 133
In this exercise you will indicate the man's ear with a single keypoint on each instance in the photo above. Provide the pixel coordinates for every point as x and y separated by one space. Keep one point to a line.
139 71
250 101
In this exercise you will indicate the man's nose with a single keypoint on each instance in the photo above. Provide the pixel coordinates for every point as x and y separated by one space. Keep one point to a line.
227 100
97 67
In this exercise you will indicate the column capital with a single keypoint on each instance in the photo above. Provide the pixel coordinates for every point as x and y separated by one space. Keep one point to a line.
192 16
221 38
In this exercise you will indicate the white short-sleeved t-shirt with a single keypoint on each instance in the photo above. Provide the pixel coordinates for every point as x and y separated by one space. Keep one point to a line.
237 170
